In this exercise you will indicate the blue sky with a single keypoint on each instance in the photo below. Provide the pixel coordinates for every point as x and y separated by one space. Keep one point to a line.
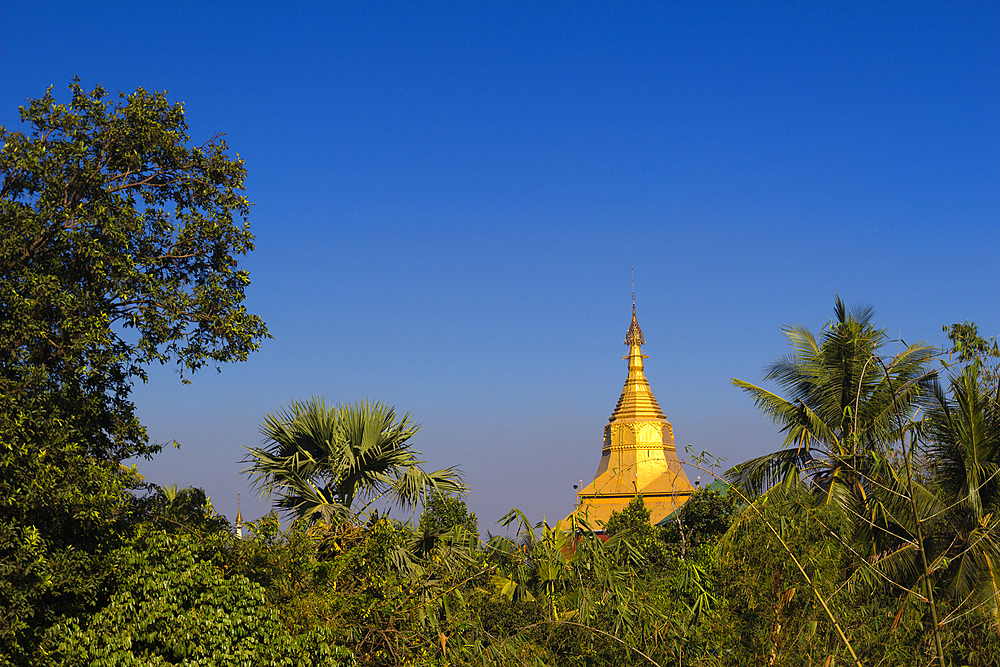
449 198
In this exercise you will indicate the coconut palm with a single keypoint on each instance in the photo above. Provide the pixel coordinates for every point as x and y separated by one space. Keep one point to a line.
963 430
318 462
840 408
958 506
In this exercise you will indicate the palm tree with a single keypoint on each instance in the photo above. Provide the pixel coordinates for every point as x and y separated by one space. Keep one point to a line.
840 409
955 550
963 432
318 462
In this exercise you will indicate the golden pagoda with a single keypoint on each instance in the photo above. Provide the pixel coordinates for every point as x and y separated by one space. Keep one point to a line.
638 455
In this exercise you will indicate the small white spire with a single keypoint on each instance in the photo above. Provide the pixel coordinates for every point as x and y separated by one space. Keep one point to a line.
239 519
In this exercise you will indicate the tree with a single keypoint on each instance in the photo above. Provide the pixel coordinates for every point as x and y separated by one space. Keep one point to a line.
172 509
445 518
704 518
318 461
443 512
841 406
632 525
118 248
963 430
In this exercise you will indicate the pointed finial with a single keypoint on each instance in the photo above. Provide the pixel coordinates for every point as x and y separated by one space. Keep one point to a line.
634 335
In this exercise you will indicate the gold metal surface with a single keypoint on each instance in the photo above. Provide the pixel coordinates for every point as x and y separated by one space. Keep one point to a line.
638 455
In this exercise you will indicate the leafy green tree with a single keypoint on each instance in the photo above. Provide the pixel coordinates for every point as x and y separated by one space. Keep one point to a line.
634 517
935 537
917 539
444 517
967 345
841 405
442 512
119 247
844 422
60 514
703 519
319 461
632 525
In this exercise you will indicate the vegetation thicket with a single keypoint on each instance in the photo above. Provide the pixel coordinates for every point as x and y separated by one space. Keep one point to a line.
868 538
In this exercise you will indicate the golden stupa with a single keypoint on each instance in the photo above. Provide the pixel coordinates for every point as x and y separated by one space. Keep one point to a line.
638 454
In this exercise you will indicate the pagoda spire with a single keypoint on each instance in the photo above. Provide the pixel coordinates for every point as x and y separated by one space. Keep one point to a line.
638 454
637 398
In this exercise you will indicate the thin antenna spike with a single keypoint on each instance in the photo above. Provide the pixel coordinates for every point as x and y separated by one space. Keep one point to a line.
633 288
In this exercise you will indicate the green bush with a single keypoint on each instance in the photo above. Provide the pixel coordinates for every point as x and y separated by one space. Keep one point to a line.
169 605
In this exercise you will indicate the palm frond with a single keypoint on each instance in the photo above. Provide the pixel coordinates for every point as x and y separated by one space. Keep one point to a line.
900 567
756 476
413 484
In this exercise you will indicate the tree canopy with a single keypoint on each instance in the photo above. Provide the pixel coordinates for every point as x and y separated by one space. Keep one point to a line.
120 248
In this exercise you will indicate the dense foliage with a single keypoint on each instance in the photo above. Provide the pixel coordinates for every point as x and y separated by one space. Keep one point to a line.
120 248
170 603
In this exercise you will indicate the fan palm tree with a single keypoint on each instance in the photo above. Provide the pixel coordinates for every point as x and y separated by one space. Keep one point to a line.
840 408
319 462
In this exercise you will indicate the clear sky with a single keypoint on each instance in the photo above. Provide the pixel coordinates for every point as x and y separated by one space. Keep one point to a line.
449 198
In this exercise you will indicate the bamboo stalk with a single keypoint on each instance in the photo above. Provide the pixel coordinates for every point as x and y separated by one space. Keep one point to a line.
916 518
